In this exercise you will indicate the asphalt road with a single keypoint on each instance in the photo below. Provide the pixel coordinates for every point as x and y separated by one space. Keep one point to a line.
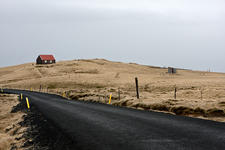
105 127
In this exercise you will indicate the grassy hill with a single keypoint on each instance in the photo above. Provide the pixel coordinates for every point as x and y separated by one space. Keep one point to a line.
95 79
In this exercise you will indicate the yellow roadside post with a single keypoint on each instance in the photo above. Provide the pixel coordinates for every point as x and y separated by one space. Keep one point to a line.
110 97
30 89
64 94
28 105
21 96
2 90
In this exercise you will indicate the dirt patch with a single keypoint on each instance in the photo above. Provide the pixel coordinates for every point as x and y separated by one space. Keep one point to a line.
222 104
215 112
79 96
91 71
182 110
178 110
41 133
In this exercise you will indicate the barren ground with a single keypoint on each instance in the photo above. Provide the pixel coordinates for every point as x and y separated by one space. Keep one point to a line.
94 80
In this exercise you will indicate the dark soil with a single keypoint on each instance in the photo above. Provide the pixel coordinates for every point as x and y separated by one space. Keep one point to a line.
41 134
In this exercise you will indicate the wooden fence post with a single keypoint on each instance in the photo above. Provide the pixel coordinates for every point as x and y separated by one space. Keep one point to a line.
40 89
175 93
136 82
119 94
201 94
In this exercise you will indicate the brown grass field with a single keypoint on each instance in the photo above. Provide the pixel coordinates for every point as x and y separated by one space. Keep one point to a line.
94 80
11 132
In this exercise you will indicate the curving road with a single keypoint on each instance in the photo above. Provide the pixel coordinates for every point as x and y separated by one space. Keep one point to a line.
105 127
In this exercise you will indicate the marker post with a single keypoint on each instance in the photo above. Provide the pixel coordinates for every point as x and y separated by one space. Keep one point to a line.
110 98
28 105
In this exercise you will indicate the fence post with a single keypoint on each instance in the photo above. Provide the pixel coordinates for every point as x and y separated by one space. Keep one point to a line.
175 93
136 82
40 89
119 94
201 94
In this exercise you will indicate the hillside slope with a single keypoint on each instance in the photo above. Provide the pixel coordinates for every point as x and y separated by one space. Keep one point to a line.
200 94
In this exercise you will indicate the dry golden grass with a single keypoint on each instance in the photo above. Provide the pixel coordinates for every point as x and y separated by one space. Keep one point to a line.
96 79
10 131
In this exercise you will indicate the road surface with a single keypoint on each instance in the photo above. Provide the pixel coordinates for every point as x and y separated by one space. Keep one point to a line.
105 127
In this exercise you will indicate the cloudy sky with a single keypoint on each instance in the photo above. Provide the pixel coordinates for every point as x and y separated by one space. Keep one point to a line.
181 33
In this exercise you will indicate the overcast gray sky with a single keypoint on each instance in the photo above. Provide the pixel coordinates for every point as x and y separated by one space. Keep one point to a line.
181 33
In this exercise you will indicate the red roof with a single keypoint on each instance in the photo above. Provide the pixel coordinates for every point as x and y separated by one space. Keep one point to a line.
47 57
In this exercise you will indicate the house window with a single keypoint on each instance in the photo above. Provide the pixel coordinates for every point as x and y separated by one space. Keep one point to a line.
45 61
50 61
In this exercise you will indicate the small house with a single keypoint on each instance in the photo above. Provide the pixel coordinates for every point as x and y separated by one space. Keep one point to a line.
172 70
45 59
